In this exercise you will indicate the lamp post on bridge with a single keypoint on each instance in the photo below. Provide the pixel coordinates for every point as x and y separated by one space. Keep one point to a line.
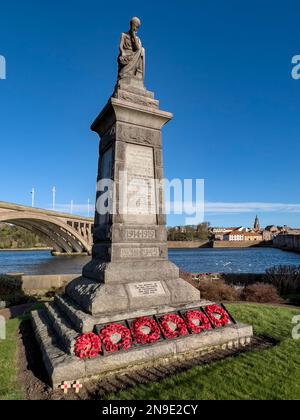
32 197
53 197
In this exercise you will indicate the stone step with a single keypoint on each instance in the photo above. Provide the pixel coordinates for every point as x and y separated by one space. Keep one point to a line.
81 321
59 365
85 323
62 326
65 367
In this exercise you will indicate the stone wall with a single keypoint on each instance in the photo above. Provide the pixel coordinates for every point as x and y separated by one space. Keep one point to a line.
287 242
188 244
35 285
237 244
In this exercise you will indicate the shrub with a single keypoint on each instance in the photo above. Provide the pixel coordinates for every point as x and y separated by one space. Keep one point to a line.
286 278
188 277
9 284
218 291
242 279
260 293
11 290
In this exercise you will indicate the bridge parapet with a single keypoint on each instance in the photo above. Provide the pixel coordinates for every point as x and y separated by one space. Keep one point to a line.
65 233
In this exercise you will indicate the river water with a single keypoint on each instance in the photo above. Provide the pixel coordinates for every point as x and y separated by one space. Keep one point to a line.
204 260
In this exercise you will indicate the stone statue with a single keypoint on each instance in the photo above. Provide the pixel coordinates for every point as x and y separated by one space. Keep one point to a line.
131 58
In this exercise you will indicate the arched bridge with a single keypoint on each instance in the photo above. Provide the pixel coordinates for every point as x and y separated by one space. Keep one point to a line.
64 233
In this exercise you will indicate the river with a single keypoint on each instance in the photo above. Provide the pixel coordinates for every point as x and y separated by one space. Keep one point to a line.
204 260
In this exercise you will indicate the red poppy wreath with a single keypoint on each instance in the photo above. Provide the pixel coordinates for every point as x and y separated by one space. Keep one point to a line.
173 326
145 330
87 346
218 316
116 337
197 322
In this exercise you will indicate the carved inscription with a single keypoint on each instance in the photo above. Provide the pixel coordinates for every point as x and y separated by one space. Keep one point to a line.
129 133
139 234
141 196
140 253
150 289
126 96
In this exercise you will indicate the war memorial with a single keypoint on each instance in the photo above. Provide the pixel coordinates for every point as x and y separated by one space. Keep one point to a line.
130 308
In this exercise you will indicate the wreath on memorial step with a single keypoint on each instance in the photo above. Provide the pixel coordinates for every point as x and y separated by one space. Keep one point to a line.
218 316
152 333
87 346
106 337
173 326
197 322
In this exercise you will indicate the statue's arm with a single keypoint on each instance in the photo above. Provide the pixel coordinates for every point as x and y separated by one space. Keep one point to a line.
122 56
121 47
136 42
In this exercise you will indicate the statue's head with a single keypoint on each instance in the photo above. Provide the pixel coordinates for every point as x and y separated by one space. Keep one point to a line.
135 24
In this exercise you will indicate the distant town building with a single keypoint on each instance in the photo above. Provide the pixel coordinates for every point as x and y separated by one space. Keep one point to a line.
272 228
243 235
268 236
256 234
235 235
291 231
182 229
219 232
271 231
251 236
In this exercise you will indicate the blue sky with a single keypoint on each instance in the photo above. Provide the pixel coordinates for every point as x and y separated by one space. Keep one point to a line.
223 68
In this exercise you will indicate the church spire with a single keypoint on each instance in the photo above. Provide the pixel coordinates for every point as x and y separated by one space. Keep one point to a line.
256 223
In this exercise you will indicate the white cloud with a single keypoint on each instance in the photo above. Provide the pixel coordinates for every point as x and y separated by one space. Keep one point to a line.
250 207
210 208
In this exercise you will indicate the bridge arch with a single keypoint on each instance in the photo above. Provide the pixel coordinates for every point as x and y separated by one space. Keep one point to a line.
61 236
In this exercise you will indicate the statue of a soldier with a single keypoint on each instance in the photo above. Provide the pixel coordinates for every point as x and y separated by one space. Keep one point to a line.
131 58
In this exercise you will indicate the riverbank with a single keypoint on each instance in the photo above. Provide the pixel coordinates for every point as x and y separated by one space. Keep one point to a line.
171 245
218 244
188 244
241 244
25 249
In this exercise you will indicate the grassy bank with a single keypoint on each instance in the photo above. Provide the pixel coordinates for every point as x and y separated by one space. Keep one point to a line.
10 389
270 374
10 386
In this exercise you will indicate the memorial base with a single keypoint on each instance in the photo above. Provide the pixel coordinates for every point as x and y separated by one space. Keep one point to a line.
157 288
63 321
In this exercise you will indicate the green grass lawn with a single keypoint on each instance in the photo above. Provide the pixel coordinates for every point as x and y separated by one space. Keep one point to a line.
272 374
266 374
10 389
